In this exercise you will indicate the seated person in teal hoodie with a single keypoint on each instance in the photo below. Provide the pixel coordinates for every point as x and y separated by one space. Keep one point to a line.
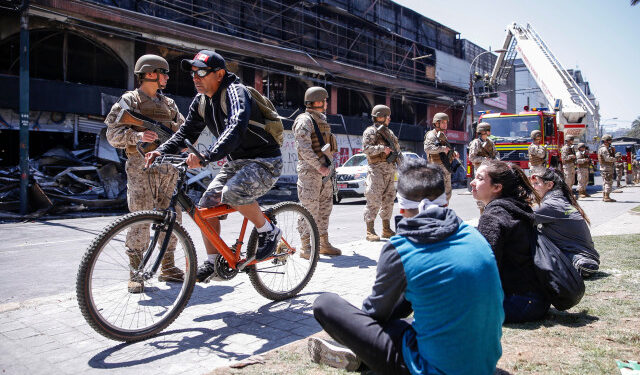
437 267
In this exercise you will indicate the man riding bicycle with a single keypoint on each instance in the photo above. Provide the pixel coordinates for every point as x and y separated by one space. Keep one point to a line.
254 160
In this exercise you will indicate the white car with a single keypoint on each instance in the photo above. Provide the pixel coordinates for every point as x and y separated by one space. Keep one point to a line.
351 176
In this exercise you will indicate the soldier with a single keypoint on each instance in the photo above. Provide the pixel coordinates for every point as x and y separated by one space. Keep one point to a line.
619 164
383 154
537 155
583 162
438 149
146 189
481 149
606 159
568 157
312 132
636 169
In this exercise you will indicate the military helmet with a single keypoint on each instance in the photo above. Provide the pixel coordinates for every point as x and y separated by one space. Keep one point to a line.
483 127
618 154
569 138
607 137
315 94
150 63
440 116
581 144
380 111
536 133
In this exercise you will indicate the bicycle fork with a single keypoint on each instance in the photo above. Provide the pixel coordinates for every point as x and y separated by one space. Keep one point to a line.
165 226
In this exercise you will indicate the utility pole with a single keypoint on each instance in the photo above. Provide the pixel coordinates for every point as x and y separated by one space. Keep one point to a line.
24 107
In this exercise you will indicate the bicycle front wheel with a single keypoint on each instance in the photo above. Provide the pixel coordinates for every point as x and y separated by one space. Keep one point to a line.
122 300
296 257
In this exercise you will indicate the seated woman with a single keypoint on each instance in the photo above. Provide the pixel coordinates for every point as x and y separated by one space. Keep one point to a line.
508 224
564 222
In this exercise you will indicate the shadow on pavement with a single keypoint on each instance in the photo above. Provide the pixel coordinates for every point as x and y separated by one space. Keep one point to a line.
350 261
74 227
280 318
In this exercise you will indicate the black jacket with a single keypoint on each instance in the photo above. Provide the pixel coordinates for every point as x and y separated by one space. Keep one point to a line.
508 226
236 139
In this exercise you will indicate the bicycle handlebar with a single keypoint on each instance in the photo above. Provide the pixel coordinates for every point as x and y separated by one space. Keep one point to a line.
197 153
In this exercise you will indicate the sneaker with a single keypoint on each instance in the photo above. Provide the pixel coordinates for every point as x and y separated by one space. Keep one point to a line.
204 271
332 354
267 243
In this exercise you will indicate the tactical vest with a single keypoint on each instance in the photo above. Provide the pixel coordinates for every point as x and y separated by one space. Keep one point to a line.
570 151
482 151
158 111
601 160
534 159
380 157
582 155
325 130
435 158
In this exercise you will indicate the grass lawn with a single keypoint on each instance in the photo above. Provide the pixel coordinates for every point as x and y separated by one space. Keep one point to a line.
587 339
636 209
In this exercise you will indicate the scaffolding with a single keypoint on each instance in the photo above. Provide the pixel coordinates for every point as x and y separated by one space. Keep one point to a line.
378 35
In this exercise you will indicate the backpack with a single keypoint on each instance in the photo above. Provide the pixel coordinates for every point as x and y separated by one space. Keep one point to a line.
562 283
272 121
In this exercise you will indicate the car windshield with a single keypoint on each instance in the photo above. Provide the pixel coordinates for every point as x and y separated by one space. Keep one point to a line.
514 128
356 161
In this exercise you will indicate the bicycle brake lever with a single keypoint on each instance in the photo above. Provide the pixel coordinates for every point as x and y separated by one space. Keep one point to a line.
197 153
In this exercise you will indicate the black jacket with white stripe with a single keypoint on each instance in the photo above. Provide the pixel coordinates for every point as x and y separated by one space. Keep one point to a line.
236 138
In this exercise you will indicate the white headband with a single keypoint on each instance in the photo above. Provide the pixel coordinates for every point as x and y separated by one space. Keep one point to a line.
423 205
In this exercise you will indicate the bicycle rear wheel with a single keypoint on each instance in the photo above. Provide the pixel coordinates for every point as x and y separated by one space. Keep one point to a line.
289 271
105 299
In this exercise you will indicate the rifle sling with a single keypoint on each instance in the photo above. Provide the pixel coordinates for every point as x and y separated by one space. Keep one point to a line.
320 138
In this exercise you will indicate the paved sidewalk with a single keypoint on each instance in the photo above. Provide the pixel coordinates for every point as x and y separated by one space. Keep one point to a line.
224 322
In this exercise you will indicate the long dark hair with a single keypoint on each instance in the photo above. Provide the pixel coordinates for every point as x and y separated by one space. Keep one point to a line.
557 178
515 184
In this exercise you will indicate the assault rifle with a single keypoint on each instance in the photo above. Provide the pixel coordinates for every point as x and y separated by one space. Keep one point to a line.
141 123
326 150
446 157
393 155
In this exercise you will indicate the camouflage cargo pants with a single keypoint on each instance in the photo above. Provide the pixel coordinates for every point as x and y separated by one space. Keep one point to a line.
607 179
583 179
149 190
569 174
380 191
317 197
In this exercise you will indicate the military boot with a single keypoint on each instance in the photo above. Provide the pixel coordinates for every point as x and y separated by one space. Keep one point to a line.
606 198
583 194
371 232
135 285
170 272
327 248
305 247
386 229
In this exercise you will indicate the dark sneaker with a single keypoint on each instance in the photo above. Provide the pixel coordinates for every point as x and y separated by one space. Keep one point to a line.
267 243
204 271
332 354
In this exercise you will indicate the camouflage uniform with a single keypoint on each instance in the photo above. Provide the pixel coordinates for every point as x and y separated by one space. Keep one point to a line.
480 151
153 188
582 161
380 190
435 142
537 159
568 157
619 164
315 195
606 161
636 171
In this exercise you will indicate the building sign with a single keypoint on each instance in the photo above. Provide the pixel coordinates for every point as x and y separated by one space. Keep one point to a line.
499 102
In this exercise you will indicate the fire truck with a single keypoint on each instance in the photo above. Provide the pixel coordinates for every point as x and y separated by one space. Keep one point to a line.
569 105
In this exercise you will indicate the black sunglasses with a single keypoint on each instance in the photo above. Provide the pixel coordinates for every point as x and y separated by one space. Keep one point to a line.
202 72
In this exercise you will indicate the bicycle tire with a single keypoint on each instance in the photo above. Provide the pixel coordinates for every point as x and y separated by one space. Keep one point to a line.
257 272
94 315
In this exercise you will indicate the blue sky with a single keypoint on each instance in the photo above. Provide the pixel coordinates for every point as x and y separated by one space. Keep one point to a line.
599 37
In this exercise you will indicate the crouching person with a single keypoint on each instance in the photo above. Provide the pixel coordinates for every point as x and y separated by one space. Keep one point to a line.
437 267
